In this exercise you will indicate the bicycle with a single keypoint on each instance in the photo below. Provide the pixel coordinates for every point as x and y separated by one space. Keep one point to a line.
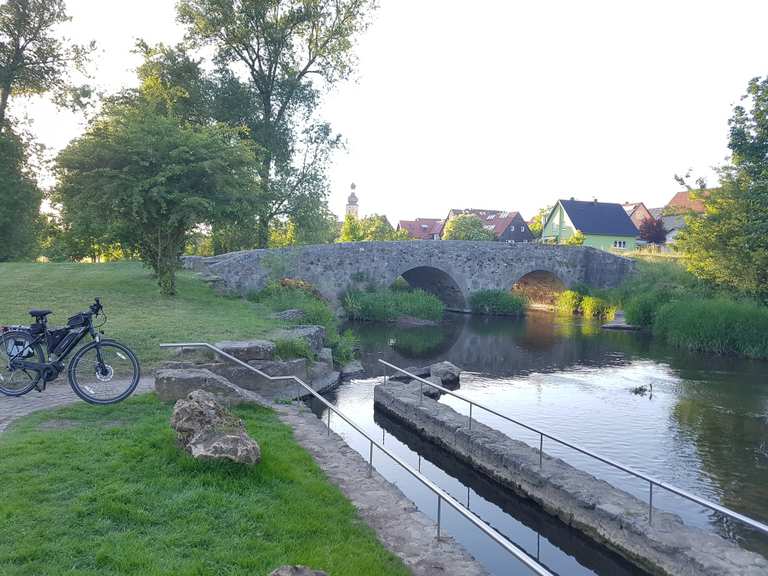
103 371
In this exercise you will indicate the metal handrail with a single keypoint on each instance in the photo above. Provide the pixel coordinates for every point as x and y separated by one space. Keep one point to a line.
442 495
650 479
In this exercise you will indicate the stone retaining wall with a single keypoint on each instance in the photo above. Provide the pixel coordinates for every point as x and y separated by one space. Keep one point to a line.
609 516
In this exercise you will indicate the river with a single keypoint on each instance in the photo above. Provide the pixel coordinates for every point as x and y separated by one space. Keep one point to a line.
697 421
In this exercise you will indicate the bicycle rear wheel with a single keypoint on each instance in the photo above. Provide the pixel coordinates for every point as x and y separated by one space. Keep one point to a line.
104 373
18 345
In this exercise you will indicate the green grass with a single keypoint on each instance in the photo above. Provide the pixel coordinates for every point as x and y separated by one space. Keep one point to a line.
568 302
498 302
387 305
138 315
595 307
112 495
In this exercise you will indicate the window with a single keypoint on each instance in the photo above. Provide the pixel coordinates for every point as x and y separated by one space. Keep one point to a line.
512 227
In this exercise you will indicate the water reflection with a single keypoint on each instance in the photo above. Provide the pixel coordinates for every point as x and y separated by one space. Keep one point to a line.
704 429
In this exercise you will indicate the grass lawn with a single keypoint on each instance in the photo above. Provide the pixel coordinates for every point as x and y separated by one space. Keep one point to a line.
138 315
105 491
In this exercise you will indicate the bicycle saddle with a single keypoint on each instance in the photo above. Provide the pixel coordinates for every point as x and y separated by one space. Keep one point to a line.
40 314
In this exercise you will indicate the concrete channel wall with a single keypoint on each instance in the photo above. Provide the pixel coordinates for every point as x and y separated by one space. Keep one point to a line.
607 515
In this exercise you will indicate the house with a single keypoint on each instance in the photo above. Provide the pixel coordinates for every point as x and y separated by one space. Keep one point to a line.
637 212
422 228
506 226
604 225
681 205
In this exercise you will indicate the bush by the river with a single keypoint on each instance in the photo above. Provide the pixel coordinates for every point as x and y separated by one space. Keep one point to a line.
386 305
291 294
594 307
568 302
498 302
714 325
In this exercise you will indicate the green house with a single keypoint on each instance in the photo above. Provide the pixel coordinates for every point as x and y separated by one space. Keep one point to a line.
604 225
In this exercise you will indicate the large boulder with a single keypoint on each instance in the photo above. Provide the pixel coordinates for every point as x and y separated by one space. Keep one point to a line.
312 334
290 315
208 432
247 350
422 372
353 369
297 571
447 373
174 384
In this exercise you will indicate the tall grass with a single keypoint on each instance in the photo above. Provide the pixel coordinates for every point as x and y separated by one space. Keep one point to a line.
568 302
386 305
594 307
496 302
715 325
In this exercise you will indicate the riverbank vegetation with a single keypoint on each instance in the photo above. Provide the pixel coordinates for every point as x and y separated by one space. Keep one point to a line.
579 301
290 294
117 497
496 302
389 305
688 312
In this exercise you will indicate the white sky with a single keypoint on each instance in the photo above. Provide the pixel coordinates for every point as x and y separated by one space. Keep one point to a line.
502 104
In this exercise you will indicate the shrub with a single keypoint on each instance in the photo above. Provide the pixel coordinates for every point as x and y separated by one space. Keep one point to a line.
568 302
298 348
496 302
594 307
640 310
344 346
385 305
715 325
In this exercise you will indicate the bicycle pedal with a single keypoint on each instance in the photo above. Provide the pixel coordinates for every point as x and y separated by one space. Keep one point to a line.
40 387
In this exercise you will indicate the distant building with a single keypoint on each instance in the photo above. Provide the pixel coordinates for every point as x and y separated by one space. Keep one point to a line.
422 228
506 226
352 207
681 205
605 225
637 212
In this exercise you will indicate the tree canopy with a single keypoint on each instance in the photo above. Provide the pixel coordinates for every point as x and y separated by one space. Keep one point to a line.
19 200
467 227
373 228
147 180
290 51
33 60
728 244
652 230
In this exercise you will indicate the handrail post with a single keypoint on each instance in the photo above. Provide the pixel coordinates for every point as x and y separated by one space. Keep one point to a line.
439 505
298 397
421 391
370 461
541 450
470 415
650 502
329 421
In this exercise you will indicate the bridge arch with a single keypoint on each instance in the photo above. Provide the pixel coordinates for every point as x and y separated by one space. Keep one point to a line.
438 282
539 286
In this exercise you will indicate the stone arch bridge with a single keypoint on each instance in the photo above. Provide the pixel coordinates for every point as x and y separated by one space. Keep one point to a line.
450 269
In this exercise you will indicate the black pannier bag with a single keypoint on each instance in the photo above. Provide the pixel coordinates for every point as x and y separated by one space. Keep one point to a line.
36 329
77 320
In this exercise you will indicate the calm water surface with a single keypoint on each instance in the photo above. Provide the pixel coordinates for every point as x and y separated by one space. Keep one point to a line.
703 428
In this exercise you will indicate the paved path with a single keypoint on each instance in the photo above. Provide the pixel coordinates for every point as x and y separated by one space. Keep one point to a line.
58 393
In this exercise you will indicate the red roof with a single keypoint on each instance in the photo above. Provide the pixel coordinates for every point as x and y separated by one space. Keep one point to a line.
494 220
422 228
683 202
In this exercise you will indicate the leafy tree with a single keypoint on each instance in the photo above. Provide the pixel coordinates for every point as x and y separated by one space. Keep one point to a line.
148 180
373 228
576 240
467 227
19 200
290 50
537 222
32 59
652 230
728 244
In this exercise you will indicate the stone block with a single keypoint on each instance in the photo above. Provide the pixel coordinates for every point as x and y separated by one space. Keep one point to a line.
177 384
247 350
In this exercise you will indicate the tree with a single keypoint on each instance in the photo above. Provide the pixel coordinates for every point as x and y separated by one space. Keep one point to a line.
652 230
19 200
373 228
728 244
576 240
32 59
148 180
467 227
537 222
290 51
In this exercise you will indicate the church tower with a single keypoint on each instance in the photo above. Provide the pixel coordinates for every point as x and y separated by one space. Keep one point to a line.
352 202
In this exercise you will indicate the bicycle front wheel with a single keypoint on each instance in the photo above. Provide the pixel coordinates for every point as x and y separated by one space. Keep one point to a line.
104 372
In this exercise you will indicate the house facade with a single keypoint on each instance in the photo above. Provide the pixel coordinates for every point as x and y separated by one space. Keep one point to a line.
605 225
506 226
637 212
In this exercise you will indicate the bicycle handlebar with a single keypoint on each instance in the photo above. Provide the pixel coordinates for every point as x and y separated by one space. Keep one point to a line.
96 307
